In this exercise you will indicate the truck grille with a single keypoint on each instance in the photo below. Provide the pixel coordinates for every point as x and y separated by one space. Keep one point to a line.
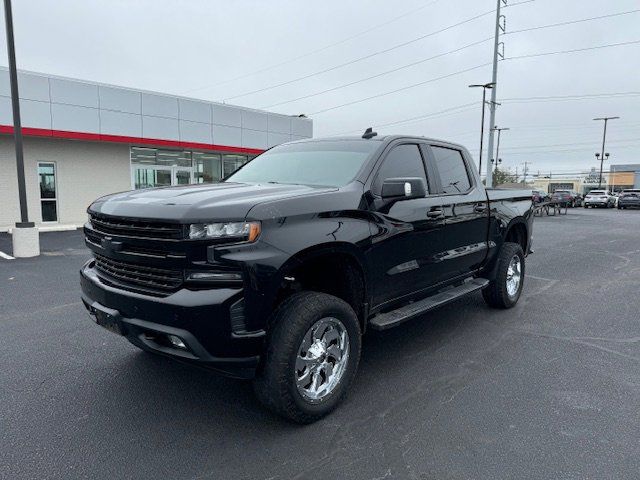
135 228
133 274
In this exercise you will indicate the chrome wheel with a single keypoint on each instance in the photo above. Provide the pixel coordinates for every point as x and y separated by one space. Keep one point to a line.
322 359
514 276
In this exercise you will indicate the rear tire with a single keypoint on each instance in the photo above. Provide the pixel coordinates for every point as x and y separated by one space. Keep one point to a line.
308 332
505 289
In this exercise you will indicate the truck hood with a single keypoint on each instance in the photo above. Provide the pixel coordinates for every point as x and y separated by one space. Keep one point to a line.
194 203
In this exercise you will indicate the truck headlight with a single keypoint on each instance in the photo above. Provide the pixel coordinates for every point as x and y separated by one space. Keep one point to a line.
236 231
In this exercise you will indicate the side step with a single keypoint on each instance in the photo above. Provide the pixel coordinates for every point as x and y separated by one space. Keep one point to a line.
402 314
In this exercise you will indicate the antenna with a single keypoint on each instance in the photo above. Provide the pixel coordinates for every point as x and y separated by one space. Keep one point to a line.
369 133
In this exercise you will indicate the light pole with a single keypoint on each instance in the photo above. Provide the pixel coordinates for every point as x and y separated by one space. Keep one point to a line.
25 239
604 139
484 101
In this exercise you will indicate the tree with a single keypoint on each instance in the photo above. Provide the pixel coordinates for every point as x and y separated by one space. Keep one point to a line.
501 177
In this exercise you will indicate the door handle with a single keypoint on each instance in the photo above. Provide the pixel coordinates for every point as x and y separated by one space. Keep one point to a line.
435 213
480 208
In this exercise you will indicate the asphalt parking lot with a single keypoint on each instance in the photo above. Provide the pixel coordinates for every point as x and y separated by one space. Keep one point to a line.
549 389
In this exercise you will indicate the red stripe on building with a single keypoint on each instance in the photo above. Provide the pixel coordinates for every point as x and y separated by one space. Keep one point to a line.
97 137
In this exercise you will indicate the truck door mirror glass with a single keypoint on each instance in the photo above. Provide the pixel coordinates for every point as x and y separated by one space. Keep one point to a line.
404 188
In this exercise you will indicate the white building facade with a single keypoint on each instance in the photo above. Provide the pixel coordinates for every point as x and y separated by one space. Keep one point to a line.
83 140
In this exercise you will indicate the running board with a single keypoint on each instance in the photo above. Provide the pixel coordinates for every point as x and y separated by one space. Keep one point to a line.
402 314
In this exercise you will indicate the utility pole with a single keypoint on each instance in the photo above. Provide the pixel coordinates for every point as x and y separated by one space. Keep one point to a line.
25 239
496 54
484 101
604 139
524 179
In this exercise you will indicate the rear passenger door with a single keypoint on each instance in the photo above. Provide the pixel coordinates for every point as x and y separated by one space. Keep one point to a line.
465 209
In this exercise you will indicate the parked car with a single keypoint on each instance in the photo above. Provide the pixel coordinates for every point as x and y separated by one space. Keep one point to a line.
599 198
570 198
629 198
540 196
275 273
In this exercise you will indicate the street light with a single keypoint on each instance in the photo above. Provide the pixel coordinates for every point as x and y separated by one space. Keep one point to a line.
484 101
601 156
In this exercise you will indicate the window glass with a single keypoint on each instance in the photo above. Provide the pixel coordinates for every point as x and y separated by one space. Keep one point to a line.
48 202
173 158
49 211
452 170
143 155
208 167
231 163
329 163
402 161
46 171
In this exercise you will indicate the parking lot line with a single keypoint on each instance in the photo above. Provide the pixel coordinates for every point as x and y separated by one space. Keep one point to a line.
5 256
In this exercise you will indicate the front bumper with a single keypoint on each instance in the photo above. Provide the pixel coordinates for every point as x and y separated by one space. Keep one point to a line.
200 318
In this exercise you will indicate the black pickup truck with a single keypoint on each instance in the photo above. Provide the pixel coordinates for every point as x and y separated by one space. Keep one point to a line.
275 273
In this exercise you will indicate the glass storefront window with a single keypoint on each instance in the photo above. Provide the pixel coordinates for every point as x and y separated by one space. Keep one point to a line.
48 192
152 167
208 167
232 163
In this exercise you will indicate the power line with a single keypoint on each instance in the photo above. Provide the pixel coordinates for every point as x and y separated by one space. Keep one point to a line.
356 60
573 50
378 74
517 3
571 22
570 150
567 144
442 113
401 89
313 52
514 100
569 97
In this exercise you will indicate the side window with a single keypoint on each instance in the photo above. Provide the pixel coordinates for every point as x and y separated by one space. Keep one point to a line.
454 177
401 161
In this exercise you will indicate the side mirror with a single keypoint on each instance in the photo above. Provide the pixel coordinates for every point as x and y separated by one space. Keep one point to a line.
404 188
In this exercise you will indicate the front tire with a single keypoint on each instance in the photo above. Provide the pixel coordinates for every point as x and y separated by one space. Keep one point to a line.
312 354
505 289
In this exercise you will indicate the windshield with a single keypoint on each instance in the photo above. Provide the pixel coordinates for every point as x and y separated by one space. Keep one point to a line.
596 192
330 163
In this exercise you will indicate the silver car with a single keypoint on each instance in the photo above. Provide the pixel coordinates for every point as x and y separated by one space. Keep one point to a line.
599 198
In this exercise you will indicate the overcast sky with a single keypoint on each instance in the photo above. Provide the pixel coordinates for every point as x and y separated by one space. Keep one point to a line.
212 49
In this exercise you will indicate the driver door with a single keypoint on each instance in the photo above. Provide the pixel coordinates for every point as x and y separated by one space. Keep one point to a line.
407 235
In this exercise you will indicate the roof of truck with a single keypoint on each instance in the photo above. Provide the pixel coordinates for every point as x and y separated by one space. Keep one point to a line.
378 138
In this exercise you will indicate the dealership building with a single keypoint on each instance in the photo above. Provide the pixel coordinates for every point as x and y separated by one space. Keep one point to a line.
83 140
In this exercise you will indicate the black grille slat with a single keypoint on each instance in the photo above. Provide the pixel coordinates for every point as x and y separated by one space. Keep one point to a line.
135 228
134 274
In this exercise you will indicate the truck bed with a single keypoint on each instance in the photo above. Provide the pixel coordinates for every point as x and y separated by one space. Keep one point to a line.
497 194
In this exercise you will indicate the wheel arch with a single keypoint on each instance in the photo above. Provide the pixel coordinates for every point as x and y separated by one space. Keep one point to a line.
336 268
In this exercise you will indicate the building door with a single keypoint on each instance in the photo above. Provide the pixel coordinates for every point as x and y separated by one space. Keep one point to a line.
48 191
150 176
182 176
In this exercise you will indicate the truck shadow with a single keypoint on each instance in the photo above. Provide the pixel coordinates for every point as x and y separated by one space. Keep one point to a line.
193 401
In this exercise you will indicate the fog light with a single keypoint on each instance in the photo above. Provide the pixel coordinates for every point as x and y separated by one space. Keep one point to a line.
215 276
177 342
